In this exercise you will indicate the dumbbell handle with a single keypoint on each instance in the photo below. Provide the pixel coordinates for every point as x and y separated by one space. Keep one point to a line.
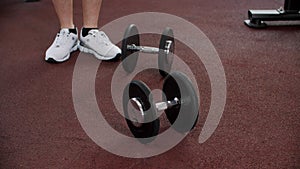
145 49
152 50
160 106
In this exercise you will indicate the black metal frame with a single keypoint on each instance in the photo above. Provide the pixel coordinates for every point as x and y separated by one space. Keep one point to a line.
290 12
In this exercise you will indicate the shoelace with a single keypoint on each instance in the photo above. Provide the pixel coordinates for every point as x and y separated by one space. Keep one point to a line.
61 38
102 38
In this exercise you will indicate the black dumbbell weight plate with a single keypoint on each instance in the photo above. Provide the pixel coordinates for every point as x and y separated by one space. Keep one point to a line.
145 132
129 57
165 60
184 116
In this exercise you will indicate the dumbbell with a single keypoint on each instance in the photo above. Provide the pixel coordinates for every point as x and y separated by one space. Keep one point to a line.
179 101
131 47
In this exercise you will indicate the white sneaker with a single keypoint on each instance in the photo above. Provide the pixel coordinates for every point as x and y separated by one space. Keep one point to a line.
64 43
98 44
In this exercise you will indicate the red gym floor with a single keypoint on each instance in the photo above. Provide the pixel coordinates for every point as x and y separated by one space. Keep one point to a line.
260 127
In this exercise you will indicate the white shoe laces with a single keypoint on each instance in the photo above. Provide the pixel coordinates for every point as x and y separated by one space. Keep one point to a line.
100 36
61 38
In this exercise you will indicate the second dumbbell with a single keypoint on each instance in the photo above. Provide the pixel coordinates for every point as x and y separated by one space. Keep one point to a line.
179 101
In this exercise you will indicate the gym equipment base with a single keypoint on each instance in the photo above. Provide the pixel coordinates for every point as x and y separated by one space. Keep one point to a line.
257 17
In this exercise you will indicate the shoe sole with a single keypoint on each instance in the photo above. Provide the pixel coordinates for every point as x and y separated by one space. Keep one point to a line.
84 49
52 60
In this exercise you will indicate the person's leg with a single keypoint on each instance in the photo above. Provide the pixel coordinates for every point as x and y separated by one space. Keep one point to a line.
66 40
64 11
92 40
91 11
